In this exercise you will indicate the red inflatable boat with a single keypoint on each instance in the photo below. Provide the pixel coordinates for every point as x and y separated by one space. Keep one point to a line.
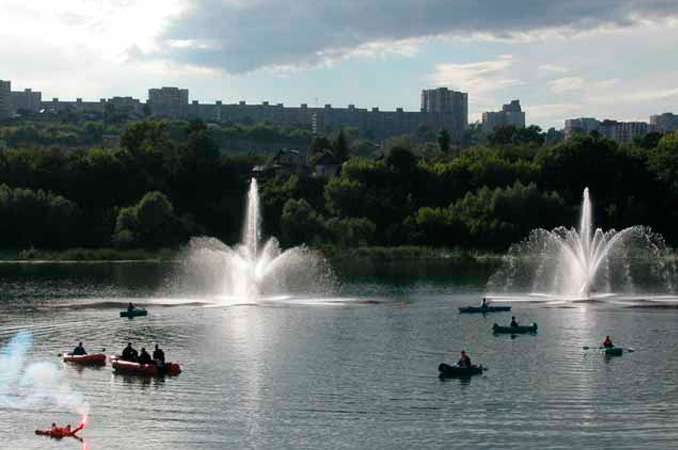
94 359
149 370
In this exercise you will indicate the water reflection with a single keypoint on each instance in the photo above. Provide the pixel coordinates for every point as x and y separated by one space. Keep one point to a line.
357 374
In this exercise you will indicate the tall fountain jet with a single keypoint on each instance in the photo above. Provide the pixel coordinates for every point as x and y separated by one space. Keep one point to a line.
586 263
254 270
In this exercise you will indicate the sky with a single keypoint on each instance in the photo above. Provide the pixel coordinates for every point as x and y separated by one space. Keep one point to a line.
562 58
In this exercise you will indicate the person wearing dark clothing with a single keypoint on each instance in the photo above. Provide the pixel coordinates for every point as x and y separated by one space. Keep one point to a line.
129 353
514 322
144 357
607 343
484 303
131 306
79 350
158 355
464 361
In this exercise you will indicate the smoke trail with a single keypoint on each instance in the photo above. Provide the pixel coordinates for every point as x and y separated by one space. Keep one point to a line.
39 384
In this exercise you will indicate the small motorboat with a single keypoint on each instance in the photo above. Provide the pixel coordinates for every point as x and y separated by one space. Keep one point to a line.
520 329
145 370
133 313
483 309
447 370
93 359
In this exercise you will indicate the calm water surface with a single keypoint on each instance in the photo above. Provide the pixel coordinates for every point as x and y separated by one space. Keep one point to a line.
357 370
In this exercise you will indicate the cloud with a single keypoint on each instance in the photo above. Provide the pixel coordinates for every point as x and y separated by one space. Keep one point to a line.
650 95
478 77
566 84
551 68
240 36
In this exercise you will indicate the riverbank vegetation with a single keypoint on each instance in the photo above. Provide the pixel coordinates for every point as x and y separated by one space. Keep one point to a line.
168 181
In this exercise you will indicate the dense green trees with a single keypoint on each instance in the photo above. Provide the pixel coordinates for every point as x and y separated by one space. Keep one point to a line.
170 180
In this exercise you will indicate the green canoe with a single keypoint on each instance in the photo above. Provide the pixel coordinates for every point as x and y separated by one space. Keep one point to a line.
611 351
448 371
515 330
133 313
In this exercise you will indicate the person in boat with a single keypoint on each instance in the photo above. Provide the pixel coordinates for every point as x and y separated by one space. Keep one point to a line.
514 322
464 360
131 307
158 356
129 353
79 350
607 343
484 303
144 357
54 429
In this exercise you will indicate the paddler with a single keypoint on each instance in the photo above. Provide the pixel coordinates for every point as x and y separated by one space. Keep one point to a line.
514 322
79 350
464 360
484 303
607 343
129 353
144 357
158 355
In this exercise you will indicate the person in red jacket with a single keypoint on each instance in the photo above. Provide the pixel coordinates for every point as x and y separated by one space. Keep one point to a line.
607 343
464 360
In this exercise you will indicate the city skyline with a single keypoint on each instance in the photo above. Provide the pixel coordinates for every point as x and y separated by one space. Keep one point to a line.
613 59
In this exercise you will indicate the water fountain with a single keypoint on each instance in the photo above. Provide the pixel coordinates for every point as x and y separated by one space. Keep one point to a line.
585 263
255 270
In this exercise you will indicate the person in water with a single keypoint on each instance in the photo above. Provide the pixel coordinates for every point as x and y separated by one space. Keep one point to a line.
514 322
79 350
144 357
158 355
607 343
464 360
129 353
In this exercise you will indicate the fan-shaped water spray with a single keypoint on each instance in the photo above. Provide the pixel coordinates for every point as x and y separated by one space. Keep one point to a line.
585 263
252 269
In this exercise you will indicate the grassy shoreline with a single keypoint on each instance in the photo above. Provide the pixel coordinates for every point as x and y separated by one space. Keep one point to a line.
333 253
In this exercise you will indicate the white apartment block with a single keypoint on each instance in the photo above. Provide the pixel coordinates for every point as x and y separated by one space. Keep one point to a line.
664 123
447 101
26 101
168 101
611 129
510 114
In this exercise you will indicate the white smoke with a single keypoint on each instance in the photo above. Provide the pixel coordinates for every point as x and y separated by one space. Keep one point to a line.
34 385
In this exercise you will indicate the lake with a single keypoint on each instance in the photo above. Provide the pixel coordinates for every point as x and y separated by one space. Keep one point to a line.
357 369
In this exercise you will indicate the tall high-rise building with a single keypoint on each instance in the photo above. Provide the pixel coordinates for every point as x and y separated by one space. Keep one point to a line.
447 101
168 101
5 99
510 114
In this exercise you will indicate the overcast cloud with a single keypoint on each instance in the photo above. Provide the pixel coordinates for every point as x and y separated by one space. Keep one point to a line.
241 36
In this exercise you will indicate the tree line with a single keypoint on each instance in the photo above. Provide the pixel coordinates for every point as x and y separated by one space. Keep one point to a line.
167 182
